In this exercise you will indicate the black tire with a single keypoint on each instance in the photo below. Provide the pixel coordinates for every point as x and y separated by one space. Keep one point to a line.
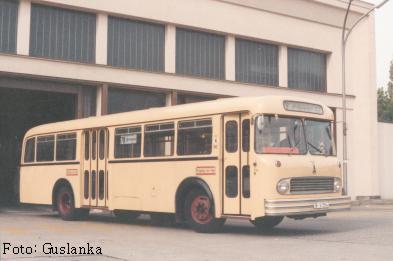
83 213
199 213
126 215
163 219
266 223
65 204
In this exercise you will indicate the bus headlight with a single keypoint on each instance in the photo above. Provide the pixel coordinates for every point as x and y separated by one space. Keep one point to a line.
283 186
337 184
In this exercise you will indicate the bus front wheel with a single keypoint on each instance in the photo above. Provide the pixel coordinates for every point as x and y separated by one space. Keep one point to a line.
66 205
266 223
199 213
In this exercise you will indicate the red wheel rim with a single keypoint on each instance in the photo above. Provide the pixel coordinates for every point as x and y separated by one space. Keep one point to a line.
65 203
200 210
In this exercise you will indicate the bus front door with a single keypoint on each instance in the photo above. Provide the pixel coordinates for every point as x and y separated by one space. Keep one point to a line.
236 171
95 175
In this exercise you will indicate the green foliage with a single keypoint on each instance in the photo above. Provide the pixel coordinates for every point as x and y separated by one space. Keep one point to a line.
385 100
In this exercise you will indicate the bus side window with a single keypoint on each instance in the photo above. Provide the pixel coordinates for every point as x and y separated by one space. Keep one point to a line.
86 182
159 140
29 150
93 184
87 145
101 146
94 145
246 181
231 136
101 182
128 142
246 135
231 183
45 148
194 137
66 147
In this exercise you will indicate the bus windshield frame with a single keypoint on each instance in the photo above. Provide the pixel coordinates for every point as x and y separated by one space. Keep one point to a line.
293 135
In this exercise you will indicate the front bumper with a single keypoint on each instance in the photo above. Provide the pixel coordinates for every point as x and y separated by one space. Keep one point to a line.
293 207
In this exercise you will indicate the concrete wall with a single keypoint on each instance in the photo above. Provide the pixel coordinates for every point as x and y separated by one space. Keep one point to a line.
385 161
313 25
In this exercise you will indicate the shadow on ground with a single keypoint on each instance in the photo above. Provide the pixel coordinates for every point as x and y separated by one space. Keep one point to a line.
308 227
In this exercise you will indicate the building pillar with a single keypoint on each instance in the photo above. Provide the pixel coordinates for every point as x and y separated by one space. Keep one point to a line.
170 48
171 98
79 104
283 66
98 101
174 96
102 39
230 58
23 28
102 100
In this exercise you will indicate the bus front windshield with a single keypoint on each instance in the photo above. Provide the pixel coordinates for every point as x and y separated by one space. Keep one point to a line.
286 135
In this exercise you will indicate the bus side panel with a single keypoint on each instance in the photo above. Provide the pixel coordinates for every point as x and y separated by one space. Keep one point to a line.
125 186
207 170
37 182
152 186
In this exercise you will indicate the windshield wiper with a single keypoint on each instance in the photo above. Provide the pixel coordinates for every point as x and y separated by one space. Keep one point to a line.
317 149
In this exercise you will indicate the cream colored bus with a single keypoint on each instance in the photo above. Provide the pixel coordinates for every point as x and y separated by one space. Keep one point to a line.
256 158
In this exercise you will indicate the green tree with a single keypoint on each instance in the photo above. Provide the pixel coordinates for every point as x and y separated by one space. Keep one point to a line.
390 83
385 100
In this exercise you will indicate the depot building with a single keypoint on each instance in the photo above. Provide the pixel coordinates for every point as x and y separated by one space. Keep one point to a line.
62 60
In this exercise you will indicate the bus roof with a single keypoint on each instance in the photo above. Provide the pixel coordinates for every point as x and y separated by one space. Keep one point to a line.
262 104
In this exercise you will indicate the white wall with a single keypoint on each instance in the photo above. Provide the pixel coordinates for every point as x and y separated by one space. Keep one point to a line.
385 146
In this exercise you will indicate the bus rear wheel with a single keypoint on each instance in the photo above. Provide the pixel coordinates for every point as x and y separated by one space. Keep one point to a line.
199 213
65 204
266 223
126 215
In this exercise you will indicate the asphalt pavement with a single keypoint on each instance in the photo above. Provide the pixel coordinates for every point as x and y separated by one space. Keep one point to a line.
364 233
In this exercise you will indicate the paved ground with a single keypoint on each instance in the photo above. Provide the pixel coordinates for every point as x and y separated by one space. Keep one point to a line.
365 233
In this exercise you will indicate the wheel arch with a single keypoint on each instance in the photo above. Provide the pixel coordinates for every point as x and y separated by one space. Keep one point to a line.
183 189
60 183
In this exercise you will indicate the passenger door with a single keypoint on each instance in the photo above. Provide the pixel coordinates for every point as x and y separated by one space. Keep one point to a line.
236 170
95 175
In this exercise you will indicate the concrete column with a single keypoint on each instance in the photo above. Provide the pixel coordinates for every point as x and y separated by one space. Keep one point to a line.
170 48
98 101
171 98
283 66
23 29
79 104
102 39
230 60
102 100
168 99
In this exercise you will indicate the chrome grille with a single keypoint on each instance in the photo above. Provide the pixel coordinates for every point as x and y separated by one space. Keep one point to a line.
309 185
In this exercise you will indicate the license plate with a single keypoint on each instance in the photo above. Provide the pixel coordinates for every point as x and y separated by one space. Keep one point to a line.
321 205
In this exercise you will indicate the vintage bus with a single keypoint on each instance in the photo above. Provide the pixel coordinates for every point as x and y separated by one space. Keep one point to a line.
256 158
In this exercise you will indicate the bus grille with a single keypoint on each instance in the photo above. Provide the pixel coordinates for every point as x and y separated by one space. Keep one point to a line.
309 185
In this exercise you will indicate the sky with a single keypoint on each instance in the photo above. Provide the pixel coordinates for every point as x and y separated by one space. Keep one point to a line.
384 40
